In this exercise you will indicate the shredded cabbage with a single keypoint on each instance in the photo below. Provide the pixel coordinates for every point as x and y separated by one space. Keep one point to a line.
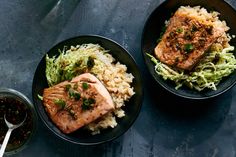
73 62
207 74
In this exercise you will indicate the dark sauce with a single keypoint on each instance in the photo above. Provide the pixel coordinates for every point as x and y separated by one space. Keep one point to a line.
15 112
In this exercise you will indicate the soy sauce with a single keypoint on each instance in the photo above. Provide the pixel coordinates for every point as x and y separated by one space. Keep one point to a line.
15 112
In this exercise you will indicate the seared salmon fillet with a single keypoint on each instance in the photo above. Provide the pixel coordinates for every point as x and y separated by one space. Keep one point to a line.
186 39
74 104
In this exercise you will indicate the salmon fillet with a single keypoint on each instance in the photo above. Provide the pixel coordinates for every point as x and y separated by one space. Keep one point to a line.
186 40
74 104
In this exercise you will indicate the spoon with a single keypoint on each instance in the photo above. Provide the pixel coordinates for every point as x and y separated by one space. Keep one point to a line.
11 127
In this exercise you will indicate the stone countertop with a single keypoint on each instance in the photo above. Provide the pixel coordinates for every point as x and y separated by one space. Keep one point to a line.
167 126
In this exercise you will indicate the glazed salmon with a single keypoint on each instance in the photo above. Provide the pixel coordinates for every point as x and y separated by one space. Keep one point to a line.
74 104
186 40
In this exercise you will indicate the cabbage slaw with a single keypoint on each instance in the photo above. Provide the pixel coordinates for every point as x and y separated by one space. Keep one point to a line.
207 74
74 61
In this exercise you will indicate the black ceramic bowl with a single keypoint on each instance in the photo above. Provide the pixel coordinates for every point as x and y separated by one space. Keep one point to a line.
13 101
132 107
153 28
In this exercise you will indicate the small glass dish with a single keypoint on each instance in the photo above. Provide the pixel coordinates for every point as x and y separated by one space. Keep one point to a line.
12 102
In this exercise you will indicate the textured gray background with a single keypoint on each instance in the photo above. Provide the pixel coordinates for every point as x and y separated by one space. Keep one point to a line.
167 125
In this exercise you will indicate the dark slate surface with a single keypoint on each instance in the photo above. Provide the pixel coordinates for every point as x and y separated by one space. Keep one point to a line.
167 126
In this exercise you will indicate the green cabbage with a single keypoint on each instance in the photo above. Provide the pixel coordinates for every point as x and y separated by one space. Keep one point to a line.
82 58
207 74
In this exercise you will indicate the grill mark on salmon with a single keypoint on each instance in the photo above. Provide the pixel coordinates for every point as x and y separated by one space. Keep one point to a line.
186 40
62 117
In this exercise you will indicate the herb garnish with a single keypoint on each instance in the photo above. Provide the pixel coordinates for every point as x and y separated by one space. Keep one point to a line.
179 30
71 93
85 85
194 28
87 103
90 62
60 103
188 47
74 94
40 97
67 87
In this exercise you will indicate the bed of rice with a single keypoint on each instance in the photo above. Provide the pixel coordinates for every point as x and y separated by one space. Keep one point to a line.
111 73
118 82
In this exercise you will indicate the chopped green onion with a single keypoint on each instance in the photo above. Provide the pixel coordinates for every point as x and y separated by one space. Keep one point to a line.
68 86
90 62
60 103
85 85
194 29
71 93
76 96
188 48
179 30
40 97
87 103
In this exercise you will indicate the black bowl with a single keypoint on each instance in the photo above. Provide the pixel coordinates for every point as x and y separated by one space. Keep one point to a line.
132 107
153 28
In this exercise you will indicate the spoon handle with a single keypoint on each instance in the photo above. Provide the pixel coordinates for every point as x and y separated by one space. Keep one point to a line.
4 144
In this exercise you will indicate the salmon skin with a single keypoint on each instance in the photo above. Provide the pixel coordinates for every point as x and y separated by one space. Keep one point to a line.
76 103
186 40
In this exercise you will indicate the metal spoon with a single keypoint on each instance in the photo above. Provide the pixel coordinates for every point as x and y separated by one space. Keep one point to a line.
11 127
